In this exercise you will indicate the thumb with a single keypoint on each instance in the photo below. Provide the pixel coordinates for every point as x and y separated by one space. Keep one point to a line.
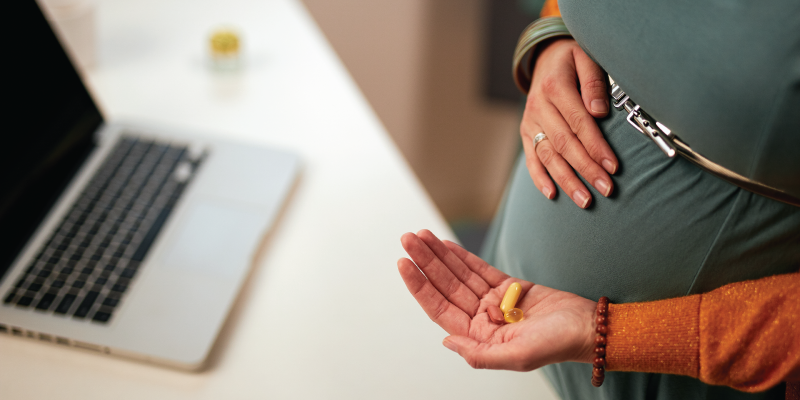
593 84
485 355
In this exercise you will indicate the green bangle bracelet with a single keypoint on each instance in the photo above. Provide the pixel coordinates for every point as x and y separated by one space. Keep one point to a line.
540 30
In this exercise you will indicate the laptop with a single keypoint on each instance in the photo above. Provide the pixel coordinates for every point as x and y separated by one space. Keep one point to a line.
120 239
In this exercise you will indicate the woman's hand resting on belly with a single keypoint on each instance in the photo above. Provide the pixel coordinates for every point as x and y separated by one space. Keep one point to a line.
566 114
462 294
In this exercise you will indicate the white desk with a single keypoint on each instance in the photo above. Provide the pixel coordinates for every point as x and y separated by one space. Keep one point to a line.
358 333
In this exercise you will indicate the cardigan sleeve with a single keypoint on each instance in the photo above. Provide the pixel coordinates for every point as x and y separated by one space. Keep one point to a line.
550 9
745 335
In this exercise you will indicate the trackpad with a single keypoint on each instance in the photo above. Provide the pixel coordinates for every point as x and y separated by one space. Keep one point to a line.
216 240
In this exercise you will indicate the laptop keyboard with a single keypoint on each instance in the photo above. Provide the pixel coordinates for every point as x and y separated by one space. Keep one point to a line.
92 258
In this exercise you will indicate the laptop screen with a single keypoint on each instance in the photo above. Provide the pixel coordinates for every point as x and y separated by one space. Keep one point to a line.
48 126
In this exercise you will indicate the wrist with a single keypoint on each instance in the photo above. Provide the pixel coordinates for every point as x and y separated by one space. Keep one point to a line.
586 352
589 354
540 30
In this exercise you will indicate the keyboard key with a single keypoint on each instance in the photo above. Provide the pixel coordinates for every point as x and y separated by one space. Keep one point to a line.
46 301
101 316
119 287
128 273
78 284
100 281
34 287
10 297
44 273
25 301
57 284
150 237
111 302
65 304
86 305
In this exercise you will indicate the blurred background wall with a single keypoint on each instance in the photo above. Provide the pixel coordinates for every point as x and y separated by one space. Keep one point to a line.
437 73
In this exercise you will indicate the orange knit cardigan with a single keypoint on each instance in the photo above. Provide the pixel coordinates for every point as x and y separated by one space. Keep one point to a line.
744 335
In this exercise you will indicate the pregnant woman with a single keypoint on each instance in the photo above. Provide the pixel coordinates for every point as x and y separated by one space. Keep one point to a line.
725 77
629 222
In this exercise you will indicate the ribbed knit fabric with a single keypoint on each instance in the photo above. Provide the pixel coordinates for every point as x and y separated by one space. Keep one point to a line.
750 333
659 336
745 335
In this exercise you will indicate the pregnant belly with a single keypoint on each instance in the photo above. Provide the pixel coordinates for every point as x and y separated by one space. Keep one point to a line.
724 75
669 229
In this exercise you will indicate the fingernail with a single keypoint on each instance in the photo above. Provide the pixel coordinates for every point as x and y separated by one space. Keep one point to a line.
603 187
581 198
609 166
450 345
599 106
546 191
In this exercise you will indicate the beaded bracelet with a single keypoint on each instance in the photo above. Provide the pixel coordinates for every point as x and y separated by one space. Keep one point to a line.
599 372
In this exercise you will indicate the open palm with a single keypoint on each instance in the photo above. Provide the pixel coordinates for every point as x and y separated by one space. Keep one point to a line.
461 293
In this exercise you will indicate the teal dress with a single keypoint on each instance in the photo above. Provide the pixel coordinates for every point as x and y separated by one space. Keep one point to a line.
723 75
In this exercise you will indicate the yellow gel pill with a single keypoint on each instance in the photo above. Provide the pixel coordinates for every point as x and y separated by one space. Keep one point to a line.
511 297
513 315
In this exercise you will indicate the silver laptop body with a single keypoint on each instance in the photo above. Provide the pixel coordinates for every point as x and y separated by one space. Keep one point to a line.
161 294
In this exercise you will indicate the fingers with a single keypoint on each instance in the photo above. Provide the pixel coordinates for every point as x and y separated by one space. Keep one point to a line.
439 275
562 154
571 109
563 173
454 264
452 319
593 84
560 90
556 107
537 171
486 355
594 93
493 276
495 314
565 116
574 107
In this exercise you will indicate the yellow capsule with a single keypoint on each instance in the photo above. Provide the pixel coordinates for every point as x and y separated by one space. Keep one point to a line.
513 315
224 43
511 297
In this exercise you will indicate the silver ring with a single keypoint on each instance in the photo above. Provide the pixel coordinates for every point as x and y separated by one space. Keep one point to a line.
538 138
